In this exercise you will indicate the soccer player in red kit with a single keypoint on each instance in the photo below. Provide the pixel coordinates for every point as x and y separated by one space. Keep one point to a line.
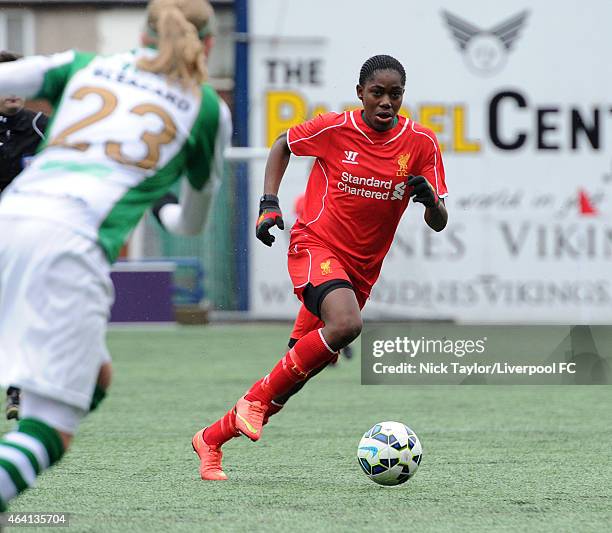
369 163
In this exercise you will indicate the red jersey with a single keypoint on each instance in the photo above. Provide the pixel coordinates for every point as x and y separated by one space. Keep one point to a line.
356 192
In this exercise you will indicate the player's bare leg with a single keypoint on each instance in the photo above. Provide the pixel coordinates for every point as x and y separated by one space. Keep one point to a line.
341 314
342 317
309 356
304 323
66 439
105 376
102 385
224 429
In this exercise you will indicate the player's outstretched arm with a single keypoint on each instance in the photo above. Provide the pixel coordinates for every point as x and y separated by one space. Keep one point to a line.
421 191
277 162
37 76
437 217
187 216
270 214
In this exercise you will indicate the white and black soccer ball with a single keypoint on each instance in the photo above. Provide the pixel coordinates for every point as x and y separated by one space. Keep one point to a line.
389 453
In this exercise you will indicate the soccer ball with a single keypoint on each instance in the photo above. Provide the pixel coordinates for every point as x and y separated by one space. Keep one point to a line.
389 453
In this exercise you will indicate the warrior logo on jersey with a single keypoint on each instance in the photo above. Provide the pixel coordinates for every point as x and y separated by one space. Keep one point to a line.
402 165
326 267
485 51
350 157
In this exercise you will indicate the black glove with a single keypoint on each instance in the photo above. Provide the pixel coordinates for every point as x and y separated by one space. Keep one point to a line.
168 198
422 191
269 216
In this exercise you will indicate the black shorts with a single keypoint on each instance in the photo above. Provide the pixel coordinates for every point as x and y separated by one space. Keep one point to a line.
313 296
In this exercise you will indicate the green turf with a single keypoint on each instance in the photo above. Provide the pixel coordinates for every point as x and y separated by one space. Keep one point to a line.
496 458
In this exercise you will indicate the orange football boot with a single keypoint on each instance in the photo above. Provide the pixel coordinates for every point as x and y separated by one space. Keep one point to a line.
210 458
250 417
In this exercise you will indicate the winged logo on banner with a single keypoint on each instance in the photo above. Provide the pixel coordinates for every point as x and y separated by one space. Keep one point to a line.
485 50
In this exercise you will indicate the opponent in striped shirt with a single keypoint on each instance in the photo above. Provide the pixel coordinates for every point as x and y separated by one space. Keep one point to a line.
126 128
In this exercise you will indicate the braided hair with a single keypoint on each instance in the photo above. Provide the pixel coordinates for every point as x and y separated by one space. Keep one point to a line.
380 62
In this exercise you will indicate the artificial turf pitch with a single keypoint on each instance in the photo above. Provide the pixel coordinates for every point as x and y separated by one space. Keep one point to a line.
522 458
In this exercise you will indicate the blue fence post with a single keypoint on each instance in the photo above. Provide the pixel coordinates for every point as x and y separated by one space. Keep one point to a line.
241 138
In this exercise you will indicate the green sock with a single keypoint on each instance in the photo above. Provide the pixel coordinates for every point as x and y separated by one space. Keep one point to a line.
24 454
98 395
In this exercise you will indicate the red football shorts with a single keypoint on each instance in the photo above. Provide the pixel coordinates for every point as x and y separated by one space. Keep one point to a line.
314 264
311 262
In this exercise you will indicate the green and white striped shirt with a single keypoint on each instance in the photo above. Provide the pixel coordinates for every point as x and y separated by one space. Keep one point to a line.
119 138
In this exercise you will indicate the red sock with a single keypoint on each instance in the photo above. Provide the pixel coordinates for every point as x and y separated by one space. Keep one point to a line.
309 353
222 430
274 408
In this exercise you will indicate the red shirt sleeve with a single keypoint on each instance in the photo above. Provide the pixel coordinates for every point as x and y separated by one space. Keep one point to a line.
432 166
311 138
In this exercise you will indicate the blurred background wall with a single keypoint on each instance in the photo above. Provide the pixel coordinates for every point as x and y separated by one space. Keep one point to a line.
519 95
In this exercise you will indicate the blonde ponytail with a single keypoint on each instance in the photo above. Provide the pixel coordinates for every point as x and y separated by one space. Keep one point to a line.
175 25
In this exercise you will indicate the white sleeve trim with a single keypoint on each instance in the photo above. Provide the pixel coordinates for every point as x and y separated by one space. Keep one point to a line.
314 134
435 155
